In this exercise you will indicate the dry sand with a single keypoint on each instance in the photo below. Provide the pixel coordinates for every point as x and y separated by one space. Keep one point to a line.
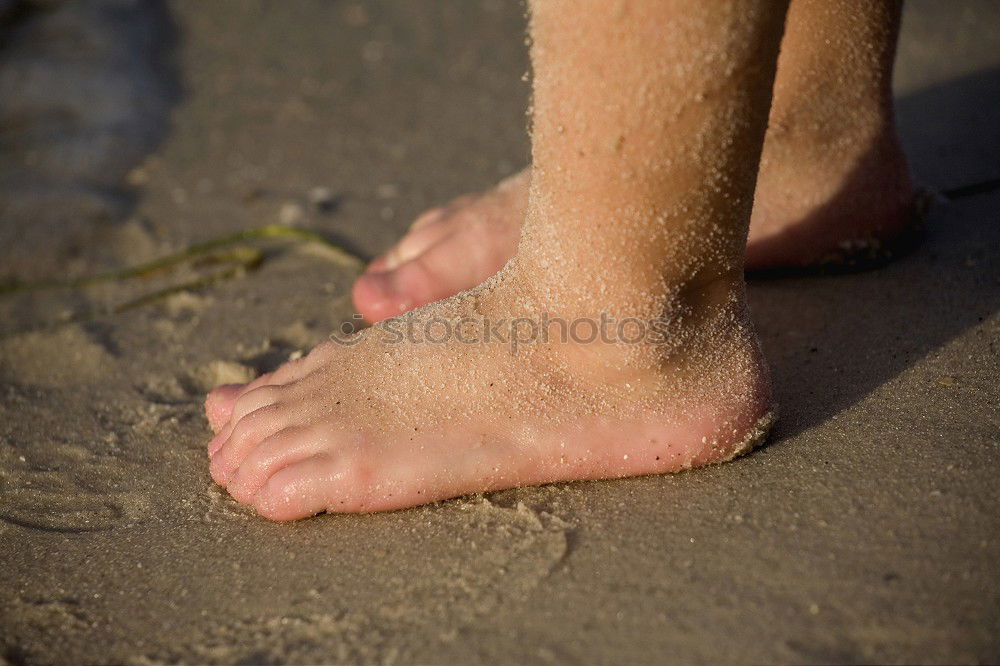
866 531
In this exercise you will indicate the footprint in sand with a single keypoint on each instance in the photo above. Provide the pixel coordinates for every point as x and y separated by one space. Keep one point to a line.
66 472
60 468
55 485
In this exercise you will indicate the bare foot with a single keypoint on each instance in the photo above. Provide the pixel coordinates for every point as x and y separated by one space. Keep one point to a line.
385 424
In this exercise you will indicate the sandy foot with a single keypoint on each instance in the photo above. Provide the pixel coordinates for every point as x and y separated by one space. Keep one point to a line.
430 420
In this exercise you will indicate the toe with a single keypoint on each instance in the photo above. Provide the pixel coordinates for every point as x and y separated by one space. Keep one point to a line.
377 265
453 265
284 448
297 491
434 275
416 242
219 404
221 400
427 230
375 299
429 216
244 437
249 398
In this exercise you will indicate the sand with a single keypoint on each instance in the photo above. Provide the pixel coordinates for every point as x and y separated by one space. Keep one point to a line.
865 531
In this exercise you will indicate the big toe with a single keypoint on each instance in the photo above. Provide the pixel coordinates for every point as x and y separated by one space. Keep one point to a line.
219 404
459 262
379 296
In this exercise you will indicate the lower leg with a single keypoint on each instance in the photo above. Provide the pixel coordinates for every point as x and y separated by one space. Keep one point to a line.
645 151
833 173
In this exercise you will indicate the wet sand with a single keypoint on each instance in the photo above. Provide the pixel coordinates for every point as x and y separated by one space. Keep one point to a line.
865 531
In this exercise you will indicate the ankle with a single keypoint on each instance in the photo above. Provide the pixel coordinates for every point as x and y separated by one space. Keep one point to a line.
815 126
659 320
692 357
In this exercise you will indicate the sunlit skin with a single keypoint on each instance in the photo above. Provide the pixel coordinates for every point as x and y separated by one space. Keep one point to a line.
647 129
832 173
